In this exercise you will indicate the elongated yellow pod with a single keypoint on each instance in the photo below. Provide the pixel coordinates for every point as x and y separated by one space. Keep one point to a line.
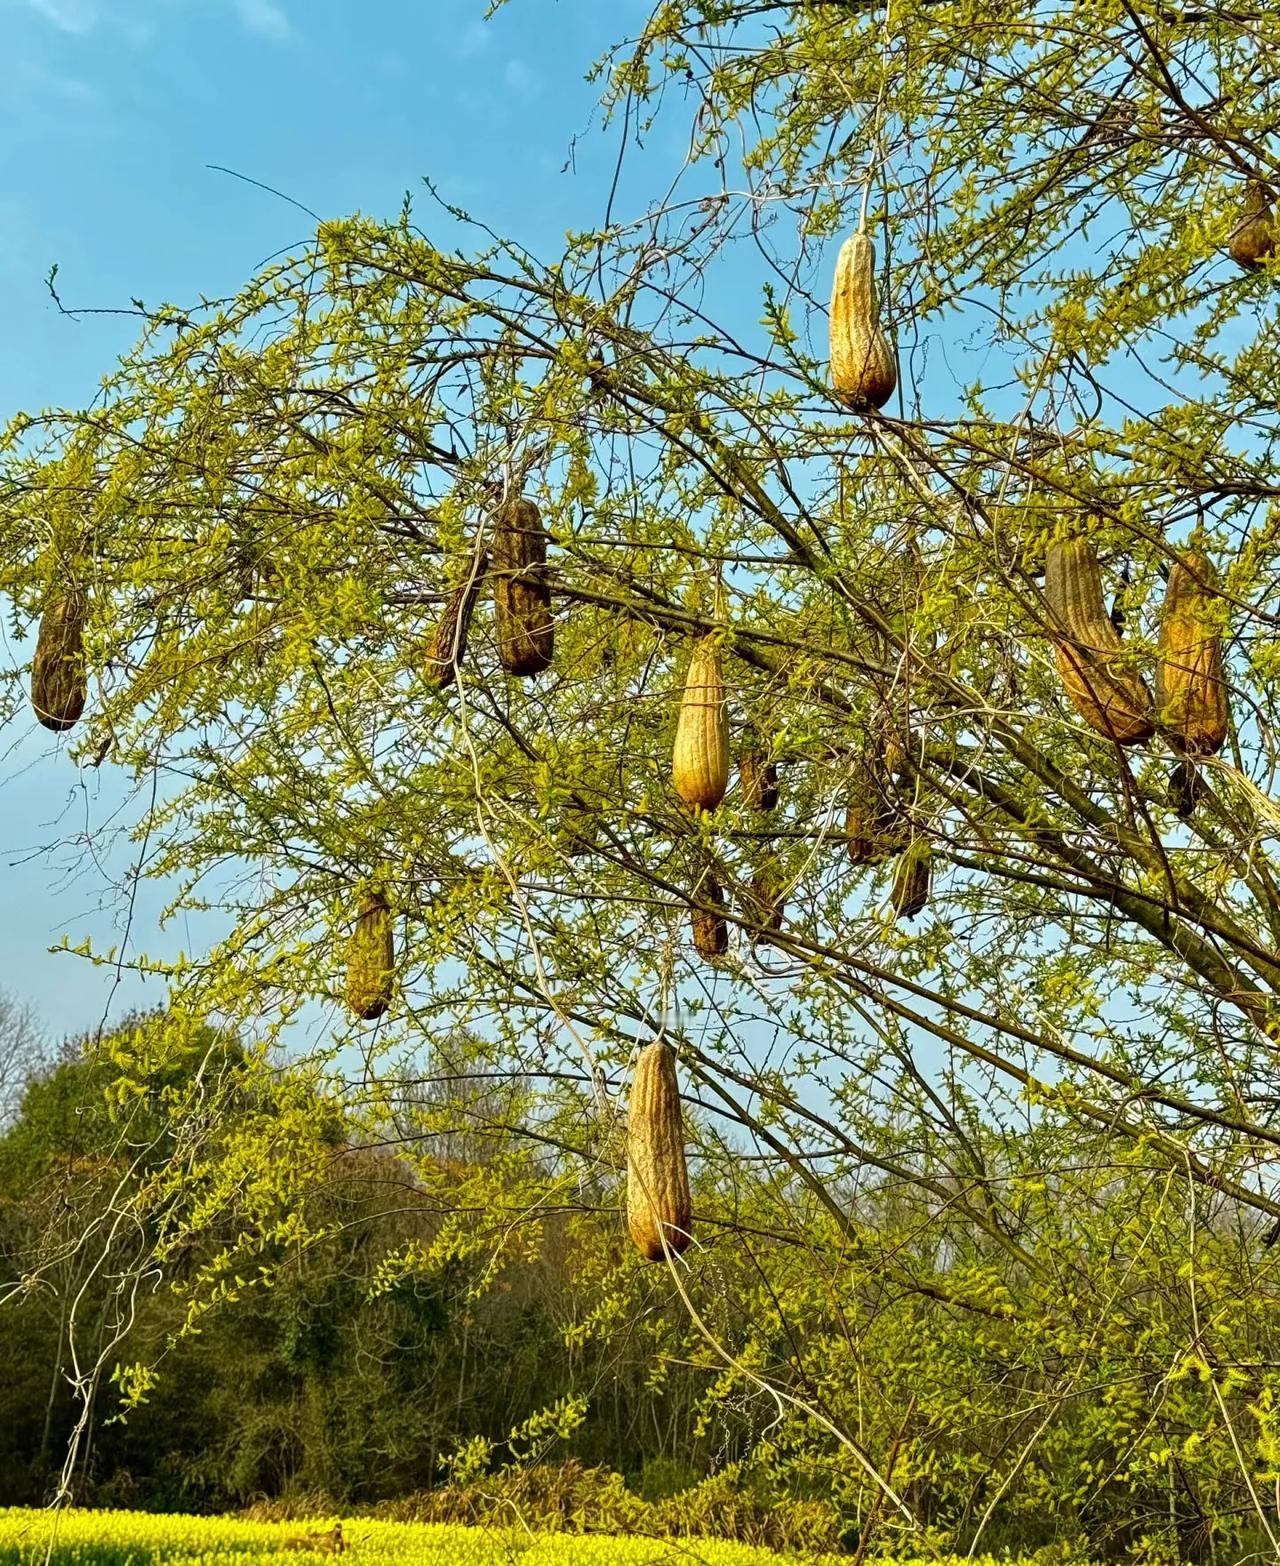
1087 646
700 757
1191 694
658 1202
58 683
521 590
371 959
863 372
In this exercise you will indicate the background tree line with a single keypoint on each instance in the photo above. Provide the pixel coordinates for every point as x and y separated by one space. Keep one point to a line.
393 1344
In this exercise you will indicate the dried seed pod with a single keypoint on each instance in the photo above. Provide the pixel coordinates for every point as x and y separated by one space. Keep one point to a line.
1191 695
371 959
759 777
1086 646
873 832
911 879
710 929
765 904
700 758
1254 237
863 372
58 683
1186 787
658 1204
447 645
521 591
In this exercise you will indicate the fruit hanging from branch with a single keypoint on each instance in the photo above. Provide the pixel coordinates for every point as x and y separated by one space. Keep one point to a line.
371 959
1088 649
447 645
659 1209
863 372
521 590
1254 237
58 684
700 757
1191 694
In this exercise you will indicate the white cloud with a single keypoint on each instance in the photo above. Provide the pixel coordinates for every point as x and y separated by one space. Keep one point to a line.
69 16
521 78
264 17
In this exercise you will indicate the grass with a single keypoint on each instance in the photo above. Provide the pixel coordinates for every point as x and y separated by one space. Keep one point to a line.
86 1538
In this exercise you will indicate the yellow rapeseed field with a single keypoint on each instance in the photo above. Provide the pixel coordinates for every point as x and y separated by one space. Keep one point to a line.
88 1538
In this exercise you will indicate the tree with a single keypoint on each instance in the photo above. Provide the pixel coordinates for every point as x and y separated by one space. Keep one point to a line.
276 494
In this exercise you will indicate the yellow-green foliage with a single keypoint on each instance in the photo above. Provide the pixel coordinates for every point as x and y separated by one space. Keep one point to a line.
87 1538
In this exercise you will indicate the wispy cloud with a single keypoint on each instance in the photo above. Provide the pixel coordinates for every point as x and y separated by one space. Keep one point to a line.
69 16
264 17
521 78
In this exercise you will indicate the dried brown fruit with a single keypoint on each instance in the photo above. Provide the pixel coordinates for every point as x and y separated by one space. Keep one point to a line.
371 959
765 902
58 681
1186 787
874 831
658 1204
863 372
700 757
1191 693
710 929
912 876
1088 648
1254 237
521 590
447 645
759 778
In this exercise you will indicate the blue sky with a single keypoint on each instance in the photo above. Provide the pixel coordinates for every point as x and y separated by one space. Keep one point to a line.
111 111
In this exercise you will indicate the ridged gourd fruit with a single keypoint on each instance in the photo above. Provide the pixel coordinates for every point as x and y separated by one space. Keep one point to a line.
371 959
873 831
658 1203
1087 647
58 681
1254 237
447 644
1191 693
700 756
521 589
863 371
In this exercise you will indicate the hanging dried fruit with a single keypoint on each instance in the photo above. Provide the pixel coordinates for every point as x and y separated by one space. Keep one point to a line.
58 683
1186 787
759 777
700 757
1087 647
874 831
1254 237
766 904
710 929
863 372
658 1204
1191 694
911 879
371 959
521 591
447 645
